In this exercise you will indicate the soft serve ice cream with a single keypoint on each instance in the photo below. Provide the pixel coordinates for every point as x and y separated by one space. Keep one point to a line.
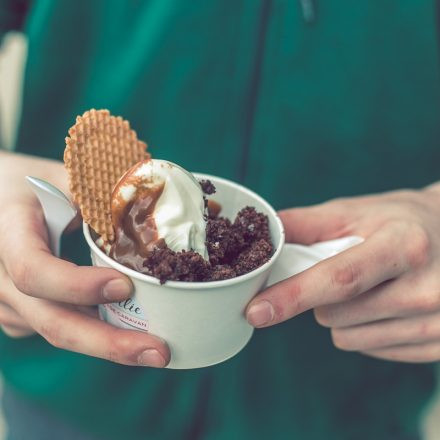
157 204
165 227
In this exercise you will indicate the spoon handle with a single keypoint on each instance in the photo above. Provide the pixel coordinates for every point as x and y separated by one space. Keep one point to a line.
57 208
295 258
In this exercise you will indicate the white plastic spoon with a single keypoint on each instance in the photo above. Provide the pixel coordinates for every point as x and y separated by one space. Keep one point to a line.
58 210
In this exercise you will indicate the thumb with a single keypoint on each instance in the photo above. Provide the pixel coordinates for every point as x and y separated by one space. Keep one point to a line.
308 225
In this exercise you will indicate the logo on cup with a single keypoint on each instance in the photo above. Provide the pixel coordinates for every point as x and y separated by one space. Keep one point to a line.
126 314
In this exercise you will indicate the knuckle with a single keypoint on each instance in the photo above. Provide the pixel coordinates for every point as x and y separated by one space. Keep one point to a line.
4 317
417 249
423 332
52 333
21 273
10 321
423 303
290 302
347 280
340 340
112 356
339 203
322 316
14 332
429 353
6 330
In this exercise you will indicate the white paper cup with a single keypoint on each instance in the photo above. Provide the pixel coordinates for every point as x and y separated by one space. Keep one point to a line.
204 322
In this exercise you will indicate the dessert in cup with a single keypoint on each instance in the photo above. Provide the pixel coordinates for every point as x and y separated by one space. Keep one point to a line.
197 248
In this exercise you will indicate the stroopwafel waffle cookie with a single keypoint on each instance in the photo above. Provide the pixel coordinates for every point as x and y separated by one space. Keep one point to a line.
99 149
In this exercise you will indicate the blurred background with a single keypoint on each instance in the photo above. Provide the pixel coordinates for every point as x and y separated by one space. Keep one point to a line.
12 57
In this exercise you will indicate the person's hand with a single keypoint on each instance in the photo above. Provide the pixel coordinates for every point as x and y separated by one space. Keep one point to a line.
43 294
381 297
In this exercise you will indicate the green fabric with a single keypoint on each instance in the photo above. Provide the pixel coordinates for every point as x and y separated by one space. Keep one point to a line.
299 112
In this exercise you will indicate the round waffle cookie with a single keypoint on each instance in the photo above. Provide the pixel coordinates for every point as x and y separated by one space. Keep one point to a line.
99 149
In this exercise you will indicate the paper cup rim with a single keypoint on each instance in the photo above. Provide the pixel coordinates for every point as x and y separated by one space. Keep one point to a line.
198 285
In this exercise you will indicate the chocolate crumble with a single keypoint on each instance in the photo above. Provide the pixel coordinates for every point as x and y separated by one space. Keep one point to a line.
233 248
166 264
207 186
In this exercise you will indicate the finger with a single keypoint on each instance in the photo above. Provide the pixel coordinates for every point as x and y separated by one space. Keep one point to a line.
334 280
388 333
36 272
373 305
409 295
428 352
69 329
316 223
9 317
11 322
16 332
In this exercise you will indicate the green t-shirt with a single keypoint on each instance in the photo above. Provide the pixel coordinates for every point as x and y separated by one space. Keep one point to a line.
300 112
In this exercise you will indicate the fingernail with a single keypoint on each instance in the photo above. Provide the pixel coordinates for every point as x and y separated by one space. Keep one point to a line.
151 358
116 290
260 313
